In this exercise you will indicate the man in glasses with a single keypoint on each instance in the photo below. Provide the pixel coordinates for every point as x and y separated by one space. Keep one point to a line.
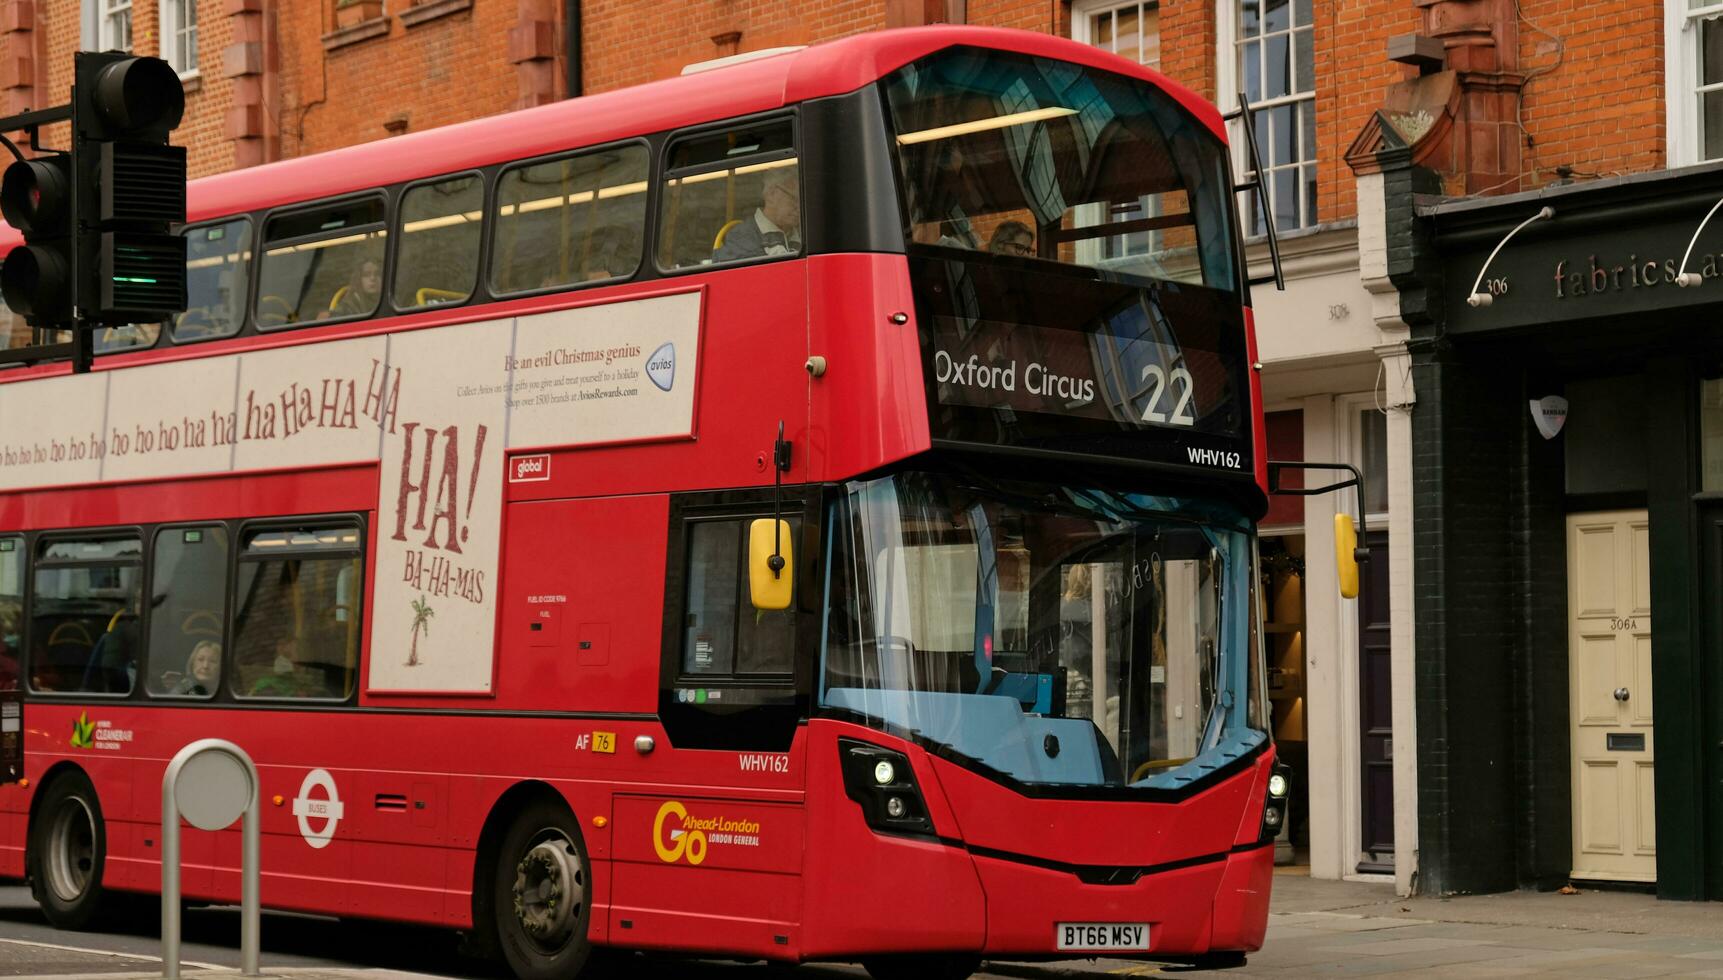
1012 238
775 228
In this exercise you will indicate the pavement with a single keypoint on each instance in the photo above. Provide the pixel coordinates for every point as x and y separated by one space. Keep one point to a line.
1316 929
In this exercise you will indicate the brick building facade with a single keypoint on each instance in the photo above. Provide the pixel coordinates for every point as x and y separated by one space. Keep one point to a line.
1484 99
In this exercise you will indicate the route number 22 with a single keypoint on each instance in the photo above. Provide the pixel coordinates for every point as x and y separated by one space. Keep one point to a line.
1155 375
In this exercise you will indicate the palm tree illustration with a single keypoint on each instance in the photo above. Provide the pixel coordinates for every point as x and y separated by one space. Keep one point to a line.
422 614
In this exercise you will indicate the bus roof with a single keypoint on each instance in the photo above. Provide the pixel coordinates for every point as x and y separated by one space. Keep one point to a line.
831 68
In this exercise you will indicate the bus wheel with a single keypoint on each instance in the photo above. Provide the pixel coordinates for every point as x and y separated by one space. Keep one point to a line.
540 894
928 966
68 846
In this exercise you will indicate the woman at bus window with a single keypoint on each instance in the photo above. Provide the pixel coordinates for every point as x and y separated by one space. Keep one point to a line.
359 297
202 670
775 228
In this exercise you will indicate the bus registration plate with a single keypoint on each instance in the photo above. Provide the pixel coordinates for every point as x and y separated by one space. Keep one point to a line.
1101 935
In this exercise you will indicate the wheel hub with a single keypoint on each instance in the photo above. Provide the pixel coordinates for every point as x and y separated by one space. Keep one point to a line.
71 850
549 891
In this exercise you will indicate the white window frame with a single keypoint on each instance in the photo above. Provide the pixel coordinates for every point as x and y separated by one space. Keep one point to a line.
1227 89
171 29
1089 251
1083 10
1681 38
105 11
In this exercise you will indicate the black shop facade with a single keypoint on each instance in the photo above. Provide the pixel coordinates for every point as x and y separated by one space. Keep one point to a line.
1567 352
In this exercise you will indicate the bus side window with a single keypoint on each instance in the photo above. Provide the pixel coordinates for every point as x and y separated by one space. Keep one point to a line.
438 258
322 264
188 604
725 635
571 221
11 612
217 274
731 196
295 630
84 615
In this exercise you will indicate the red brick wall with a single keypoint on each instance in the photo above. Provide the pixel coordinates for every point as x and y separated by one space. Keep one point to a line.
1600 110
441 71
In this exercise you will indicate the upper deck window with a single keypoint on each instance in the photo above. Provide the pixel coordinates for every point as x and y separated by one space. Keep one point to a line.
1032 158
438 261
732 196
322 264
570 221
217 271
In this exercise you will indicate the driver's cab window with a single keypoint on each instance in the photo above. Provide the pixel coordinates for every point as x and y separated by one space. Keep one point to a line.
725 635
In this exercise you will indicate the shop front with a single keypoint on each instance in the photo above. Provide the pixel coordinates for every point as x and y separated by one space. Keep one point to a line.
1568 519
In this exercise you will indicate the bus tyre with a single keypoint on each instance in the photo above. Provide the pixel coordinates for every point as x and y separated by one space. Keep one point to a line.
927 966
68 850
539 894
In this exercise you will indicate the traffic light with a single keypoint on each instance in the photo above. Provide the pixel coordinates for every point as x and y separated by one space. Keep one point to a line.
129 188
36 199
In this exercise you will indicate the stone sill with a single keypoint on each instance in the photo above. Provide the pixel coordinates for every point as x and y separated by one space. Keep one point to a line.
427 10
364 31
191 82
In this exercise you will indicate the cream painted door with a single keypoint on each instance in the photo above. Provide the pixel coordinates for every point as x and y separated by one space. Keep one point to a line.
1609 664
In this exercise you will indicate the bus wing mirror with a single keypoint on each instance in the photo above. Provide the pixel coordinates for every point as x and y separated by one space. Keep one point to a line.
1346 555
1347 552
770 582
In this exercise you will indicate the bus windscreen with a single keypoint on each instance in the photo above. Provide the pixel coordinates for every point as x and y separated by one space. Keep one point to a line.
1031 158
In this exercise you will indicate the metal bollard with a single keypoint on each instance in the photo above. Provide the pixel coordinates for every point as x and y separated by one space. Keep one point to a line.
211 783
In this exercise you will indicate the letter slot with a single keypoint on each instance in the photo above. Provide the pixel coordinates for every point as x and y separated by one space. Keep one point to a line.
1621 742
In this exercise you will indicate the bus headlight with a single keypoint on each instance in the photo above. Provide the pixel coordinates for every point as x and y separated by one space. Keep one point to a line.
883 783
1275 802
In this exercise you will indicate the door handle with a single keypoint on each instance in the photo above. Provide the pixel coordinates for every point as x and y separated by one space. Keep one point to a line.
1621 694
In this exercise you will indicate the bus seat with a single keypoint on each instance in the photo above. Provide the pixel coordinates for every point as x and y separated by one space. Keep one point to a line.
201 623
335 300
430 294
718 240
274 311
71 632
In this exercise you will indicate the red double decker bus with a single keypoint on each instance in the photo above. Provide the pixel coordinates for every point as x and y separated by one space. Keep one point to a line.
800 510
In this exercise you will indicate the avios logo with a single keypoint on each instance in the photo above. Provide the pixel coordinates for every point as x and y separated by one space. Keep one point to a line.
661 367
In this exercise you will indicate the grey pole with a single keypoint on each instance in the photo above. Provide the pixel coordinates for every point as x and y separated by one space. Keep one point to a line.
170 874
221 786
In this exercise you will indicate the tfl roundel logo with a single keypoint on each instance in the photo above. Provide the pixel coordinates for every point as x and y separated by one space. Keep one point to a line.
661 367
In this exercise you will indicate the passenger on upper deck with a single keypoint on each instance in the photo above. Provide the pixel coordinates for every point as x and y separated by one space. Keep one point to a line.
359 297
775 226
1012 238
